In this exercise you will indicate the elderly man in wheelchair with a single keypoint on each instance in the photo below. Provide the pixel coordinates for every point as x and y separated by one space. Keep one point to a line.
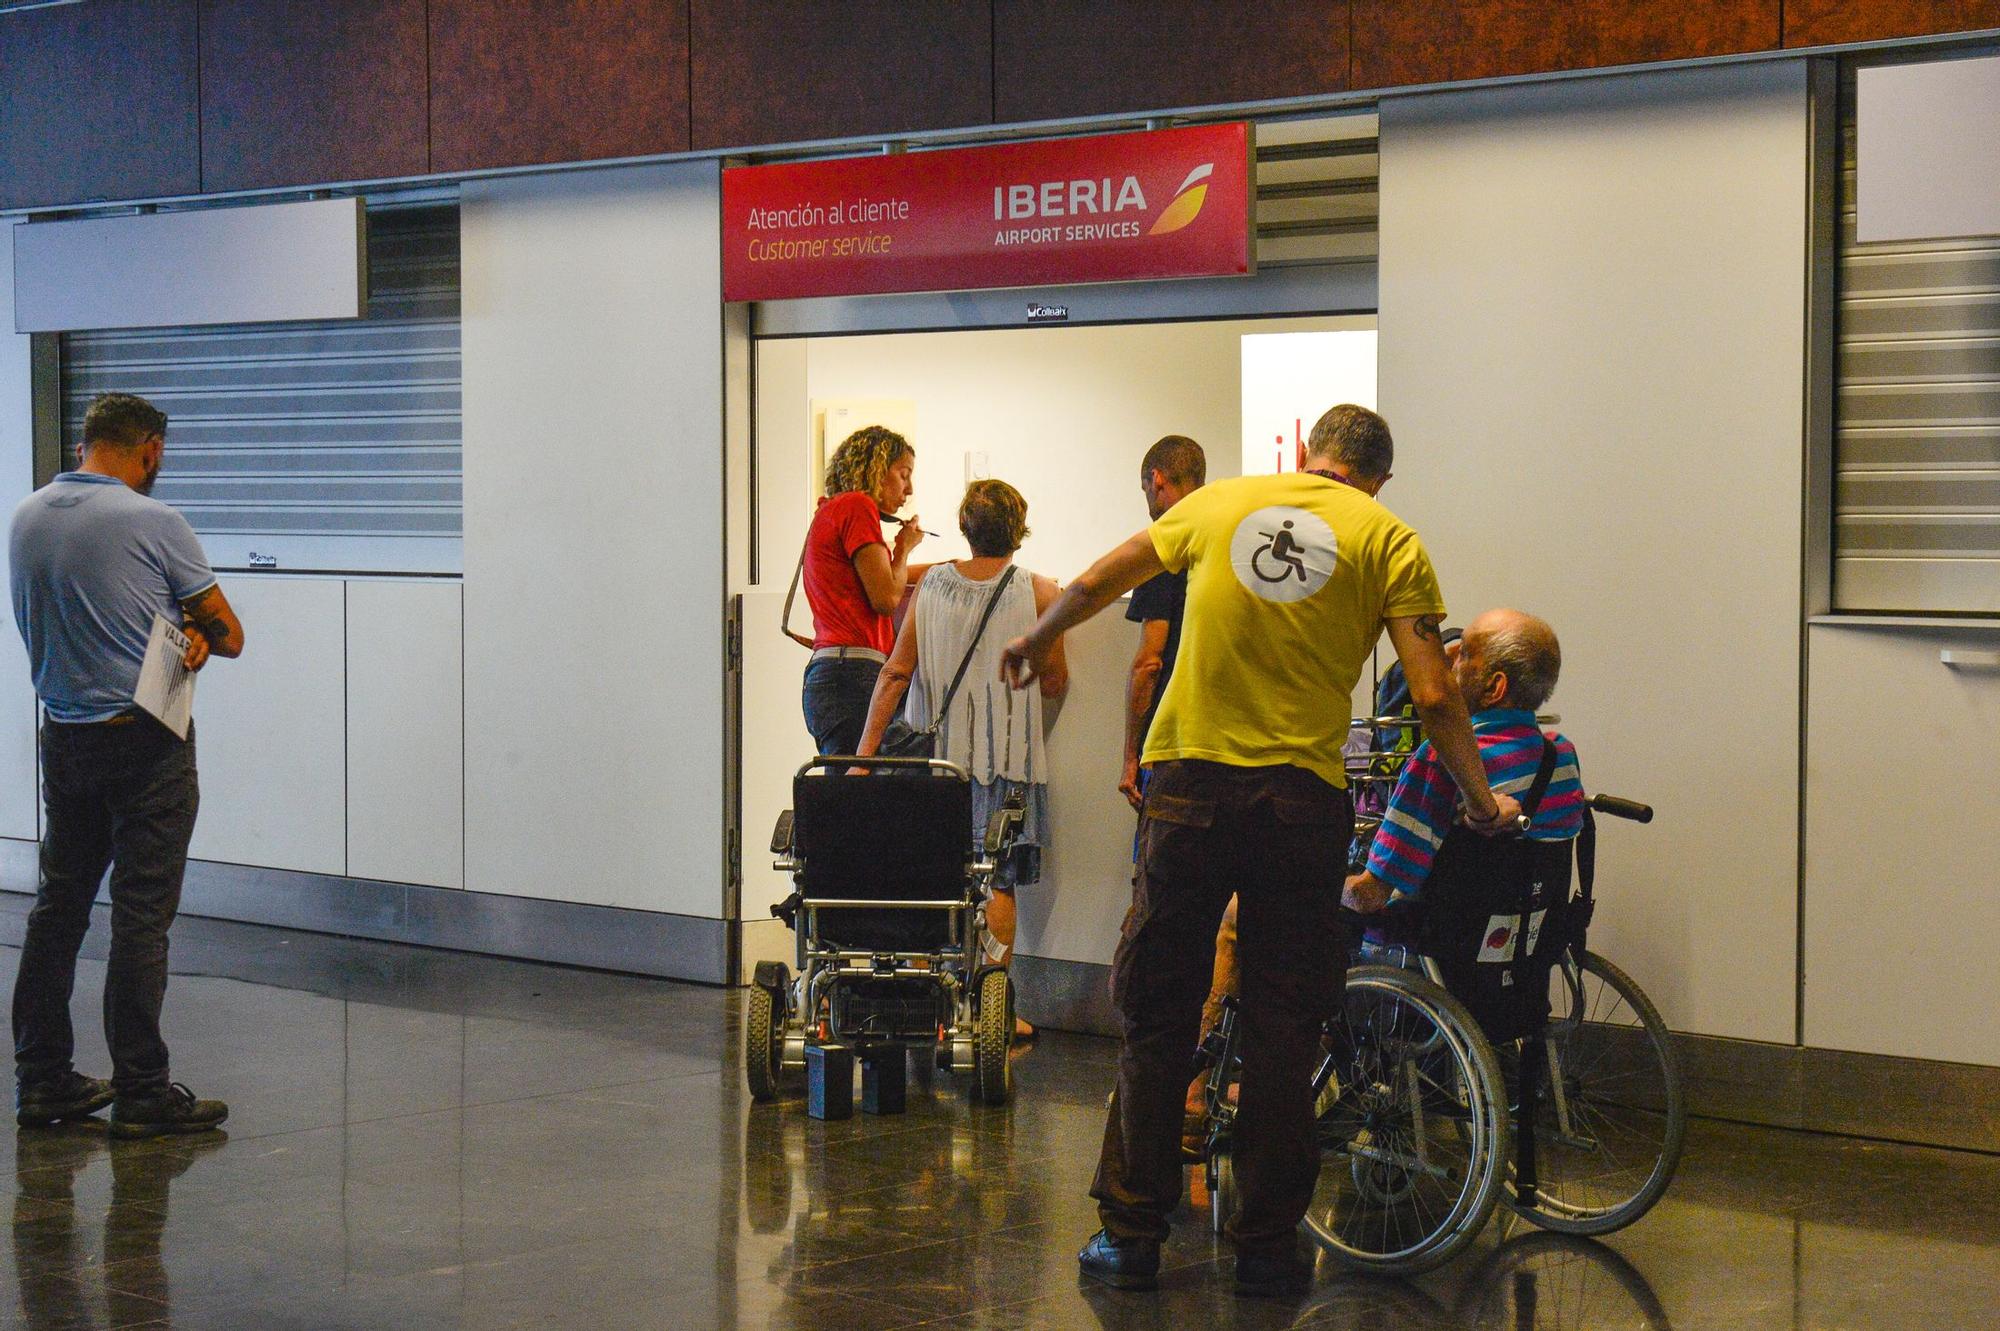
889 919
1480 1054
1506 667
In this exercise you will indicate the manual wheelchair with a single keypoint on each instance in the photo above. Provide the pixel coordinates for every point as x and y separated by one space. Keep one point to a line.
1425 1124
889 918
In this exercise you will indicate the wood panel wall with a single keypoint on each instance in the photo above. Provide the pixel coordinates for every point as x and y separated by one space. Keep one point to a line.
1056 58
303 90
98 101
822 69
1825 22
138 99
523 82
1398 43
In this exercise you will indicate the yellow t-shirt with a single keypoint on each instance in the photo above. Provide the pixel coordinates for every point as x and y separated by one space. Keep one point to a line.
1289 580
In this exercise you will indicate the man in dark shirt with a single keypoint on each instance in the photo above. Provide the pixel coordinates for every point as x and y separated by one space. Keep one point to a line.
1172 469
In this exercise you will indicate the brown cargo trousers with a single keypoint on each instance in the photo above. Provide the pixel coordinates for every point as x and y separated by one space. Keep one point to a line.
1277 838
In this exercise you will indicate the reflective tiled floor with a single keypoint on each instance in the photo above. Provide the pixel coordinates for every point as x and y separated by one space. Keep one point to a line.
421 1139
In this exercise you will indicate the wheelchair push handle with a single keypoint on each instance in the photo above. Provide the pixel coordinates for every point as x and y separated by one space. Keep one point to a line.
840 762
1622 808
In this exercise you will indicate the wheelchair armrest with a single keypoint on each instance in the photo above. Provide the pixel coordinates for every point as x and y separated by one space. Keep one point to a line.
1398 924
781 835
1001 828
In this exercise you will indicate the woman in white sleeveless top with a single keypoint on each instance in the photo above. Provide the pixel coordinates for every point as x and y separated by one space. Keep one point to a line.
994 732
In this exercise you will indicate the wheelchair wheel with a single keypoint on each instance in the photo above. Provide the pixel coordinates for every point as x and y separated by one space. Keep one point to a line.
1560 1282
992 1038
1611 1115
1412 1126
763 1044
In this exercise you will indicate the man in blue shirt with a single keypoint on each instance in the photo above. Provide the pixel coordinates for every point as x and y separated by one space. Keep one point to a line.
92 560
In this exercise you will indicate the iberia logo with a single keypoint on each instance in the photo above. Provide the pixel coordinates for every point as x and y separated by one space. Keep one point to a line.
1083 210
1187 201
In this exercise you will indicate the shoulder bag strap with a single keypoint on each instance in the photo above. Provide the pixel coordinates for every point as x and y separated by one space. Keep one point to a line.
785 616
1532 800
944 705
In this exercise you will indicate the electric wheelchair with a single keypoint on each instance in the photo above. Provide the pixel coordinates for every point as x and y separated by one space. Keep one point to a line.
889 918
1428 1116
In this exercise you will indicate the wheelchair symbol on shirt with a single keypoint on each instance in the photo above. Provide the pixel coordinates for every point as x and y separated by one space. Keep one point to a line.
1282 553
1283 548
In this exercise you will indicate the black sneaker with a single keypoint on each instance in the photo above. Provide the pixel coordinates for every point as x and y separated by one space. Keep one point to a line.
1121 1263
65 1096
171 1109
1272 1275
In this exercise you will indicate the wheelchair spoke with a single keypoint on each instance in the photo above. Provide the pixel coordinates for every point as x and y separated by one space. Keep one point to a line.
1609 1152
1411 1137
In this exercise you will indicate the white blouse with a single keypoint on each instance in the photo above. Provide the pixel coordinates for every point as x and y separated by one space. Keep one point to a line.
993 730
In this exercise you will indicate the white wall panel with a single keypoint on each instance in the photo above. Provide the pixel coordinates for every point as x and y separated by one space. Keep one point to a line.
1075 912
1902 843
253 264
20 801
593 537
1925 135
271 731
405 733
775 741
1592 355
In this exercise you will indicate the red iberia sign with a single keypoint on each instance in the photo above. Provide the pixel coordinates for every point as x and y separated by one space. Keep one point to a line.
1108 208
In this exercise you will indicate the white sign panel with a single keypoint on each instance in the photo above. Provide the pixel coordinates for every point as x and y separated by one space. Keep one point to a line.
1289 379
1926 165
261 264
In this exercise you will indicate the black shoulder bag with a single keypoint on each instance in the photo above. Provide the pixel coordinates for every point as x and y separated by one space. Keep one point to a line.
1494 917
903 740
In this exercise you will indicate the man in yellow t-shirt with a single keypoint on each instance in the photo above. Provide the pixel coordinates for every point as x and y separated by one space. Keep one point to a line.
1291 579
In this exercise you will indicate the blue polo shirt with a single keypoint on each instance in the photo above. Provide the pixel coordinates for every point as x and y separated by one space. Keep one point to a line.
91 560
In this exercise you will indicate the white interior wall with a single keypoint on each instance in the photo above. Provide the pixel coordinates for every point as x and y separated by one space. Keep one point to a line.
1062 414
1592 352
20 796
593 537
1065 415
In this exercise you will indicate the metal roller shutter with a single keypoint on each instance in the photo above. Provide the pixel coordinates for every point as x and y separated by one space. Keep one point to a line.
326 447
1318 190
1916 521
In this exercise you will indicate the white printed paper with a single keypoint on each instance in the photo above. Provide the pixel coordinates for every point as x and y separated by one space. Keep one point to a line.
166 685
1535 930
1498 945
1503 935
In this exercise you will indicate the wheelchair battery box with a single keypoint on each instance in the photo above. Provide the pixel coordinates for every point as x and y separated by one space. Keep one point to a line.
900 1009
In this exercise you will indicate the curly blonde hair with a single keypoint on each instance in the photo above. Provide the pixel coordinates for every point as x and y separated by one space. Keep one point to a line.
993 518
861 459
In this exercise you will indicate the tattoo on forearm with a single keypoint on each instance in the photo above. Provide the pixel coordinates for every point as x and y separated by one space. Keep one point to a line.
1429 628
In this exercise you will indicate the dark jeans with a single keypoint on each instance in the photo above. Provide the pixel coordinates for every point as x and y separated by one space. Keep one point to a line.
836 702
1277 838
121 795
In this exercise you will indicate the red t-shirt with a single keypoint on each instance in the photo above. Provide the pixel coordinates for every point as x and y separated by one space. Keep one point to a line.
845 525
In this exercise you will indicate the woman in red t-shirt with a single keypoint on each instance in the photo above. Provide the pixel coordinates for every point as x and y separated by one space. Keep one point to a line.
854 580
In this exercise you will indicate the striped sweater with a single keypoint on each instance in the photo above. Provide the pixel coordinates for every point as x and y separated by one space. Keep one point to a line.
1425 803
